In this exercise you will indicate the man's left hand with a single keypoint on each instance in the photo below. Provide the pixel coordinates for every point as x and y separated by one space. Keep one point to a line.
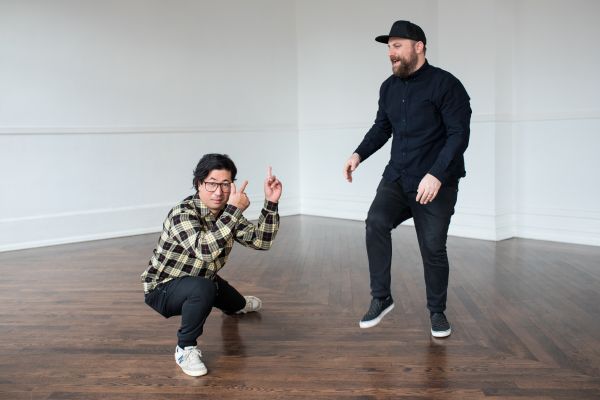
272 187
428 189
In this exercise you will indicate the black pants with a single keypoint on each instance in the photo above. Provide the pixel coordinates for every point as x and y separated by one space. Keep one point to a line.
193 298
391 206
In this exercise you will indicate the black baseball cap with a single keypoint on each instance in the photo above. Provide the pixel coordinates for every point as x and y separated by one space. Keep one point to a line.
406 30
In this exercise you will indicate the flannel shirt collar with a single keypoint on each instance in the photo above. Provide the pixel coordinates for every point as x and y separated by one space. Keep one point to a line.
204 210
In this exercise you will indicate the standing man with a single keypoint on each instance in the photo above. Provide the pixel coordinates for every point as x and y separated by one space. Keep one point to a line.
196 240
427 112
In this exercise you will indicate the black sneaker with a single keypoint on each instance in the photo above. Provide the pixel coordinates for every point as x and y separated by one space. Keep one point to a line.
377 310
440 327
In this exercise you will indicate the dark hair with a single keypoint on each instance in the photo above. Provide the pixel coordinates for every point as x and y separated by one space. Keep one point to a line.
210 162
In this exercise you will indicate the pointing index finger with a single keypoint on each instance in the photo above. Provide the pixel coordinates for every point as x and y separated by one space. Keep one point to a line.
269 171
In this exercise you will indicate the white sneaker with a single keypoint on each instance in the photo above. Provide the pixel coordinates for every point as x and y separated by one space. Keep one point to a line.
253 304
189 360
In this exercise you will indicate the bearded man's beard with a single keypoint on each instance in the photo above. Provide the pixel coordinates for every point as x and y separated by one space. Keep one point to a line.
406 67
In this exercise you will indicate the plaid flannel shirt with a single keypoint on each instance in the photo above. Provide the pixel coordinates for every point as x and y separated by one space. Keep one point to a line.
194 242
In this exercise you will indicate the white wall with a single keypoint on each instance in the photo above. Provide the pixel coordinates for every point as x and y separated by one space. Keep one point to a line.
105 107
340 69
476 44
529 67
557 120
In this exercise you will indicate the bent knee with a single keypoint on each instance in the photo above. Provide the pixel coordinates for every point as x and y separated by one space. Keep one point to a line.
434 253
378 220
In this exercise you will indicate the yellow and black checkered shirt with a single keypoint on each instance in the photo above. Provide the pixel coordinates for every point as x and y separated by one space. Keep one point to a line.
195 242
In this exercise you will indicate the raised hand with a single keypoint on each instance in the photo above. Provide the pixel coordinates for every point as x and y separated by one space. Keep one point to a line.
272 187
238 198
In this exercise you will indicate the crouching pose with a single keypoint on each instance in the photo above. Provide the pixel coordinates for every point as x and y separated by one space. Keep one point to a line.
197 237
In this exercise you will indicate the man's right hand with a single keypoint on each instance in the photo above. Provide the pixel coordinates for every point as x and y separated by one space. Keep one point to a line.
351 166
238 198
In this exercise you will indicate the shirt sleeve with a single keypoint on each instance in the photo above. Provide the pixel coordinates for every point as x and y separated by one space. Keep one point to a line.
186 229
261 236
456 114
379 133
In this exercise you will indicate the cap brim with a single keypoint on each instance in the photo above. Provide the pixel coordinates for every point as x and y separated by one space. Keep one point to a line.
382 39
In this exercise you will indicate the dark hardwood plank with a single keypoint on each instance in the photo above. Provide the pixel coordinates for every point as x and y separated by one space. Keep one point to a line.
525 314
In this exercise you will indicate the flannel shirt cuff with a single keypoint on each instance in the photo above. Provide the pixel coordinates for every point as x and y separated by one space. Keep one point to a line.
233 211
270 206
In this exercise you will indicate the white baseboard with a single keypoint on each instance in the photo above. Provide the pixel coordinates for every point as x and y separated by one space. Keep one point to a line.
470 223
79 226
506 226
53 229
569 226
75 239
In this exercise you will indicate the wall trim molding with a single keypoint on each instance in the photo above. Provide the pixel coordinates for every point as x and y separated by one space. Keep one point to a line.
476 118
95 211
279 128
559 212
133 130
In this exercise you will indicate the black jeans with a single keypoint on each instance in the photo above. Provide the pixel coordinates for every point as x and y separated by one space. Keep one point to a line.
391 206
193 298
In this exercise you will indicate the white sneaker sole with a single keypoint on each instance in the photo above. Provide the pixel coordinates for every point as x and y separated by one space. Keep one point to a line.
375 321
440 334
195 373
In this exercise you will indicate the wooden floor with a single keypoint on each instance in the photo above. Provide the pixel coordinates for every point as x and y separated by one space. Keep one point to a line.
525 315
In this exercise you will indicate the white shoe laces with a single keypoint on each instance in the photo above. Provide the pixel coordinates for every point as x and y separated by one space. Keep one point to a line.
192 356
252 304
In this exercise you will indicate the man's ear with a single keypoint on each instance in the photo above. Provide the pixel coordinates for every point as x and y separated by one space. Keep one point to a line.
419 47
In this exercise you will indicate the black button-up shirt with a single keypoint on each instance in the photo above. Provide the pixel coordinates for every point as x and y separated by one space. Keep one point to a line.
428 115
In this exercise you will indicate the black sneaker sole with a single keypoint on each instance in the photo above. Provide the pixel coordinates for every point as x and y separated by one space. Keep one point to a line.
372 322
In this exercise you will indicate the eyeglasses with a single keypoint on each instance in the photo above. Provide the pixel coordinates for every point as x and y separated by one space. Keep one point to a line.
212 186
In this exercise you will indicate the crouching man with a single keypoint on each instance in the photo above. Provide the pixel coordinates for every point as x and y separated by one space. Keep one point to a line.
197 237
